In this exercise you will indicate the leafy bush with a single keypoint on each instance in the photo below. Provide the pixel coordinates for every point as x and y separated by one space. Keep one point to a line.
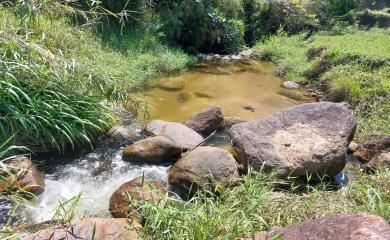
267 17
200 26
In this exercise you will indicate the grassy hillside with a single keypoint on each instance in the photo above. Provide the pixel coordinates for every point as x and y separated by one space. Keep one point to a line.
354 66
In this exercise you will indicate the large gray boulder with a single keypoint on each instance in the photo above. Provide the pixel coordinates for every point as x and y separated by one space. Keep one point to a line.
352 226
206 121
201 169
303 139
179 133
153 150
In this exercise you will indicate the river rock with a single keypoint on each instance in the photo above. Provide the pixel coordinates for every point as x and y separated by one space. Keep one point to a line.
138 189
154 150
352 226
290 85
206 121
132 132
228 122
372 148
182 135
90 228
23 174
303 139
194 170
381 161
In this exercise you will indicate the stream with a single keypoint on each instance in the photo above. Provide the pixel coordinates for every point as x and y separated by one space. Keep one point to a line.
248 90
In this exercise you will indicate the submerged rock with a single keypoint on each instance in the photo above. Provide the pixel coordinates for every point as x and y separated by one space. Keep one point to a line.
206 121
201 168
154 150
90 228
123 200
290 85
21 174
353 226
303 139
179 133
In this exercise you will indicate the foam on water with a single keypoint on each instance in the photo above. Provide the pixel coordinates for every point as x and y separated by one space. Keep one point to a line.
68 180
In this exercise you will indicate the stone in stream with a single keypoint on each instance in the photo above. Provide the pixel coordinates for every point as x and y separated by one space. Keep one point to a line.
206 121
199 168
182 135
153 150
122 203
303 139
352 226
21 174
90 228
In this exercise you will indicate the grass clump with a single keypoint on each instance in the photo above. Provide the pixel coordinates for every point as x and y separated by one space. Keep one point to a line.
260 203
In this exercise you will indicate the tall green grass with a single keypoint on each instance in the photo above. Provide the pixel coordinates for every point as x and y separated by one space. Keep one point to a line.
59 80
260 203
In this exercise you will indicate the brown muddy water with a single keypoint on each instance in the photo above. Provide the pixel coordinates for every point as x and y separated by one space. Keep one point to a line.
248 90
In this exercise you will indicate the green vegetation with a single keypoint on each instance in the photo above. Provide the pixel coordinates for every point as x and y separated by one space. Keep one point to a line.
58 80
259 204
353 64
64 65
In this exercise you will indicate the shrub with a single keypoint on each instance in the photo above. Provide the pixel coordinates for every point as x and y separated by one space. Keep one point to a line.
266 17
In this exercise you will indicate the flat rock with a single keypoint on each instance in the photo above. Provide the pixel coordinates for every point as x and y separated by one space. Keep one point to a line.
138 189
206 121
179 133
353 226
194 171
153 150
290 85
90 228
303 139
23 174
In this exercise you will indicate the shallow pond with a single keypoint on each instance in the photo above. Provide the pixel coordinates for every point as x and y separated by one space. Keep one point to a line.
248 90
244 89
